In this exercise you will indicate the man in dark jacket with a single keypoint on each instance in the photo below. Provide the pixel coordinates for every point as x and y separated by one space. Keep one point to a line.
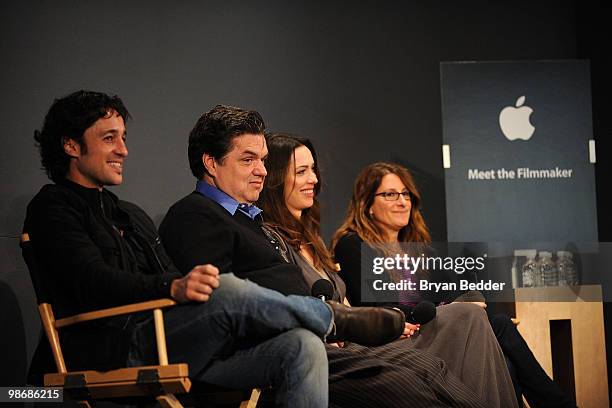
96 251
218 223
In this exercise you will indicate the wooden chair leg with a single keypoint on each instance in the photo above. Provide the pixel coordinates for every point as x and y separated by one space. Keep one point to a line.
252 402
168 401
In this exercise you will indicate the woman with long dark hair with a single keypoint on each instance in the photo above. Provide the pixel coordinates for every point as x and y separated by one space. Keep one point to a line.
289 202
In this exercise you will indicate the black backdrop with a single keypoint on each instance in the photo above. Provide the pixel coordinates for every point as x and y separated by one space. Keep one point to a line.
361 79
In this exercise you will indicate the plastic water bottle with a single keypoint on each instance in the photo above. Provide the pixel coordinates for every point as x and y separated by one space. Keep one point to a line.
530 270
548 269
567 270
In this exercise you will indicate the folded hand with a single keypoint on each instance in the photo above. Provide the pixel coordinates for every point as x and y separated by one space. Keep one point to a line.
410 329
197 285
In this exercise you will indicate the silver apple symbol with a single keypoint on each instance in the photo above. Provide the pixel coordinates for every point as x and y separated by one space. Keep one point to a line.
514 121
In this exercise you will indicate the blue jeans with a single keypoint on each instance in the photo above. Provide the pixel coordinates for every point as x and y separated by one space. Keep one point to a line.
248 336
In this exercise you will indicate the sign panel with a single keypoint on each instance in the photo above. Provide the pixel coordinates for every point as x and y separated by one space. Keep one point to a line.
518 162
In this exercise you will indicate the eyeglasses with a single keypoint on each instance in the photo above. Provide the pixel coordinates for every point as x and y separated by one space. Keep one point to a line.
394 195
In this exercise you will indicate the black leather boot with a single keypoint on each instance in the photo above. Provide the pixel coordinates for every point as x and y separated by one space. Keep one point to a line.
368 326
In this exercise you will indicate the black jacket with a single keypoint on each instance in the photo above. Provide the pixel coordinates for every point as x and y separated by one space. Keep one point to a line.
93 251
355 259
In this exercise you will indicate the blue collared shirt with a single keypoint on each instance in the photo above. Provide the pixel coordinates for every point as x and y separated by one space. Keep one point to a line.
226 201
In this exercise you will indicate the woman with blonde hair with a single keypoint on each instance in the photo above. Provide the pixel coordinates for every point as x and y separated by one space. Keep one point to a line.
291 211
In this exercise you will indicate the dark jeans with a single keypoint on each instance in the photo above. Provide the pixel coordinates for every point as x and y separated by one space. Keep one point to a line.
527 375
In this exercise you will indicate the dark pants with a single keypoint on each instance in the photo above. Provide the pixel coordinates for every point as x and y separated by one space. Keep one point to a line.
527 374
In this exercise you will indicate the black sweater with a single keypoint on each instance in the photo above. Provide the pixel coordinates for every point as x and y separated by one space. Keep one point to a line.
348 253
197 230
94 251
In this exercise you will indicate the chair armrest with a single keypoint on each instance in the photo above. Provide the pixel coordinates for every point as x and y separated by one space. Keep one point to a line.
115 311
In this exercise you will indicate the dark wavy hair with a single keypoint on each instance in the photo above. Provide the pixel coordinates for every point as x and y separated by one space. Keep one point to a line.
68 118
214 131
358 218
306 231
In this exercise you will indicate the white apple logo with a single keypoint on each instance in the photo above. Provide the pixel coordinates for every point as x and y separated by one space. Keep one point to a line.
514 122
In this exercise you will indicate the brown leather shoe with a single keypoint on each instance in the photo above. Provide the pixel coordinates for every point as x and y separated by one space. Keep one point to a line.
368 326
